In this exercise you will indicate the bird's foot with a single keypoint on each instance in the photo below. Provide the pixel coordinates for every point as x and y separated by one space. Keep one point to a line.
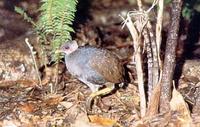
91 98
97 101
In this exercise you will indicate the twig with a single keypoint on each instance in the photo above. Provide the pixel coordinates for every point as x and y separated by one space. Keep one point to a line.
137 55
34 61
159 28
139 3
152 50
147 43
170 55
143 26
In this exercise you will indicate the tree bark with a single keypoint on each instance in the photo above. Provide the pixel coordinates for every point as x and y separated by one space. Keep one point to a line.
170 56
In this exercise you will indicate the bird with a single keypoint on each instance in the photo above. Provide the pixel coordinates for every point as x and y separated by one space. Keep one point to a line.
95 67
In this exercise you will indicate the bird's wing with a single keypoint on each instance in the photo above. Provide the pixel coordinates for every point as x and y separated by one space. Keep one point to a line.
109 66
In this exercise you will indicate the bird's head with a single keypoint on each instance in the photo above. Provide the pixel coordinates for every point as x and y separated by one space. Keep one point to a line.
68 47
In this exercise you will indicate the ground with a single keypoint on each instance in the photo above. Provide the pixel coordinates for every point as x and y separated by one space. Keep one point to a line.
27 103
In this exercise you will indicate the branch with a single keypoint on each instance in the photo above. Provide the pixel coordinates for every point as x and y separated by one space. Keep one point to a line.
170 55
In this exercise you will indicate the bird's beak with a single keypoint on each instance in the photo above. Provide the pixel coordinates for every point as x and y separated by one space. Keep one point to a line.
58 51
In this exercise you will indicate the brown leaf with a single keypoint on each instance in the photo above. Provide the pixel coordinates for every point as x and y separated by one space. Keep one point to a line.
177 104
54 100
82 121
103 121
10 123
66 104
28 107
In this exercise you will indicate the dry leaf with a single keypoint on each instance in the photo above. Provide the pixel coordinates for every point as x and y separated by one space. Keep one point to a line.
54 100
177 104
103 121
83 121
10 123
28 107
66 104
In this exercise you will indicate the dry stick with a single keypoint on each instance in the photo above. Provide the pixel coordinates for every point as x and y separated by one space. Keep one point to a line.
137 49
148 45
152 58
152 52
170 55
149 61
159 27
153 70
34 61
139 3
154 48
153 73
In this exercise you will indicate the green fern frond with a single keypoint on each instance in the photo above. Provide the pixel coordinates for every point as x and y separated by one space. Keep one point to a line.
55 22
56 19
24 14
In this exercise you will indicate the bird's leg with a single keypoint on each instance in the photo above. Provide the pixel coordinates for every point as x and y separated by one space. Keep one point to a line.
96 93
93 87
99 93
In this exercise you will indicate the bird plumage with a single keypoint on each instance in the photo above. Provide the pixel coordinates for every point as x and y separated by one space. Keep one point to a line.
95 66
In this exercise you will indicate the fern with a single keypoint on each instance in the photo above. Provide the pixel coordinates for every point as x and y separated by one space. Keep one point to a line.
24 14
55 21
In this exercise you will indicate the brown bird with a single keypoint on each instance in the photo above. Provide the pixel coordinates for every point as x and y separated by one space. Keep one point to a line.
93 66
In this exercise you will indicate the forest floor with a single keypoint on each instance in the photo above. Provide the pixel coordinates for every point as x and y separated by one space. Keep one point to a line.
62 103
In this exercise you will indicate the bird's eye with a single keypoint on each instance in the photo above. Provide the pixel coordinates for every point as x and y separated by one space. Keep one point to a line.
66 47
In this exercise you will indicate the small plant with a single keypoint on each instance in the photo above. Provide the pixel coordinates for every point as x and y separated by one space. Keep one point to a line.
187 12
55 22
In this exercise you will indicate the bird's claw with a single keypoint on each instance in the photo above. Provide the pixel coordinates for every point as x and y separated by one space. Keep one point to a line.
90 99
89 103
